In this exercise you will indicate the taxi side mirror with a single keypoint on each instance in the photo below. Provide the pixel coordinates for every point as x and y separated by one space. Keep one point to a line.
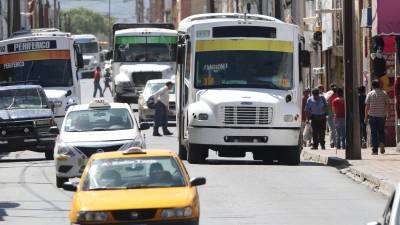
197 181
144 126
70 186
54 130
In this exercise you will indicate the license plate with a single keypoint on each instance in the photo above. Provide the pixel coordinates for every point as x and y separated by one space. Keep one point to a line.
29 140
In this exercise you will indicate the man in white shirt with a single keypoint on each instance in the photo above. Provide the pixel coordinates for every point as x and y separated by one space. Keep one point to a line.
161 98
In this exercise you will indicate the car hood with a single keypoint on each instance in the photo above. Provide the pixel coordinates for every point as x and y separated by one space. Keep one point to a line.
134 199
96 136
18 114
56 94
144 68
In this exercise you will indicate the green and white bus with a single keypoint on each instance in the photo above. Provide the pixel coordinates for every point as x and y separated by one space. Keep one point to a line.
139 55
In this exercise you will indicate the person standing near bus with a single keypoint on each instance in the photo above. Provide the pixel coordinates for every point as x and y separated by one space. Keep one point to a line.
107 80
162 104
96 82
316 112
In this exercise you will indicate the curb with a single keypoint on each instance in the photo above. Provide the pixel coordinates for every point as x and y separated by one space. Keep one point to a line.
383 186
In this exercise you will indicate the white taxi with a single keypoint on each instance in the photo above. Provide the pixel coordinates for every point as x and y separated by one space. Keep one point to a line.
94 128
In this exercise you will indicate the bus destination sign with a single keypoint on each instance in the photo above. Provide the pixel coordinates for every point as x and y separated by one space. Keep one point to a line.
32 46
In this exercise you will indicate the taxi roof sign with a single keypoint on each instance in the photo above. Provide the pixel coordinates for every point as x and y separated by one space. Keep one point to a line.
134 150
99 103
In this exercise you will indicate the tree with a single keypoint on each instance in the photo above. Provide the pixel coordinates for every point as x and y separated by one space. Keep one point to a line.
85 21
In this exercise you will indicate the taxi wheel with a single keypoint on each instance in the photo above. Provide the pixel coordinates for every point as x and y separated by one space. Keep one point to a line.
49 155
60 181
183 152
197 154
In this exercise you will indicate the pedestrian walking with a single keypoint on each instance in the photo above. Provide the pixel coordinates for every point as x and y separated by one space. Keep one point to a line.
315 108
329 97
107 81
376 111
162 105
363 126
96 82
338 109
306 138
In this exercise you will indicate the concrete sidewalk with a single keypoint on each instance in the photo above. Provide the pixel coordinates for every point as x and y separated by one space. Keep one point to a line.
380 172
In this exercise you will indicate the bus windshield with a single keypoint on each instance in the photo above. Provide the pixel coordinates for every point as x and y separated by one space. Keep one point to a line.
145 49
47 73
241 68
88 48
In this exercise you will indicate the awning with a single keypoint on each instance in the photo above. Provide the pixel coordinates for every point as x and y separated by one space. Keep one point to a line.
385 16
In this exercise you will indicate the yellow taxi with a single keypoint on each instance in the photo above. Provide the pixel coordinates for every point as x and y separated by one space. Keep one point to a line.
135 186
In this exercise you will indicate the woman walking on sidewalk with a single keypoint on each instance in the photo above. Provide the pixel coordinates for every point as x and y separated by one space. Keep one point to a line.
316 112
338 109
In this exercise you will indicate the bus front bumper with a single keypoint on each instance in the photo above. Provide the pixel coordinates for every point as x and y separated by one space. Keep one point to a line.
242 136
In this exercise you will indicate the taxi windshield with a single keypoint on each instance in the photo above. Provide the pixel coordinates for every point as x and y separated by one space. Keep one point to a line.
132 173
98 120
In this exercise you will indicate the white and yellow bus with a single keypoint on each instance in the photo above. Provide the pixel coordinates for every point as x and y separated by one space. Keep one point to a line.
46 57
238 88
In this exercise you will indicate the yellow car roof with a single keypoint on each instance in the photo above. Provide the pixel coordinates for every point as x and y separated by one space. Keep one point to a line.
126 154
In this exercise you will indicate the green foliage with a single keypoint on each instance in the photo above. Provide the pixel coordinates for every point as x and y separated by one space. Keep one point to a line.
83 21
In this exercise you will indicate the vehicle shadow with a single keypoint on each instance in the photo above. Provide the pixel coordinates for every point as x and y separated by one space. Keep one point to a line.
4 206
22 160
224 162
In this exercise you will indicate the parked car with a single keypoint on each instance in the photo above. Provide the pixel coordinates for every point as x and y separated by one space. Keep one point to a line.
96 127
26 117
152 86
391 214
135 186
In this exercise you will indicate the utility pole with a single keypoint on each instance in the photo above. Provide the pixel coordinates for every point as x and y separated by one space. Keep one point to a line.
353 149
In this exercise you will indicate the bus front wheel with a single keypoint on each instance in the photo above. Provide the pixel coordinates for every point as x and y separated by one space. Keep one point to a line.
197 154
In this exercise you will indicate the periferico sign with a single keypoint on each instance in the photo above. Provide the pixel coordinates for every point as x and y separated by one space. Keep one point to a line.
31 46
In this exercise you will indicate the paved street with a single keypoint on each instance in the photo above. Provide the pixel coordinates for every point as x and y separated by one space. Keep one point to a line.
237 191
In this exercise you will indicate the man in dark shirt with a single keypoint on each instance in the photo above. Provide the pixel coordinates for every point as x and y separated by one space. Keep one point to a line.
363 126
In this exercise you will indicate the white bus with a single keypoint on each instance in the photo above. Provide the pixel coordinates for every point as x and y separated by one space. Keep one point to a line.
139 55
48 58
89 47
238 88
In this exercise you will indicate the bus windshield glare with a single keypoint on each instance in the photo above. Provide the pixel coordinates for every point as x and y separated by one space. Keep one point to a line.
145 49
244 69
47 73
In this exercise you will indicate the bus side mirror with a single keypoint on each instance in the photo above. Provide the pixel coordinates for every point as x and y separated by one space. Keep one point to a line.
79 62
180 57
304 58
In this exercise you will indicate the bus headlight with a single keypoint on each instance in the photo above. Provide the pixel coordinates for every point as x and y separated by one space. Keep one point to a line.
56 103
288 118
203 116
